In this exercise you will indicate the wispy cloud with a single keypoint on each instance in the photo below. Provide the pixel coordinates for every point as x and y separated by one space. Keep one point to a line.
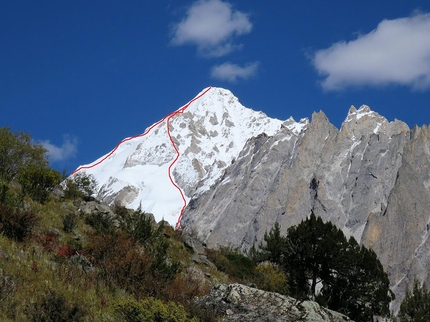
396 52
211 25
231 72
61 153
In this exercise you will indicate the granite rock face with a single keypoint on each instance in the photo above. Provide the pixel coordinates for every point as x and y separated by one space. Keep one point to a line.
238 302
371 178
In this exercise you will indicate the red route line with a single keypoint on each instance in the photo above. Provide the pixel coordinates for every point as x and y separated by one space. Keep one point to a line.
168 117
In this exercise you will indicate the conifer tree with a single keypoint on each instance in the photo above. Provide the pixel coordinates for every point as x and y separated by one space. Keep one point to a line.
323 265
275 245
416 305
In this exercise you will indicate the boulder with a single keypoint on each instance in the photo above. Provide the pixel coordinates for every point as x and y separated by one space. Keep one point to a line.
237 302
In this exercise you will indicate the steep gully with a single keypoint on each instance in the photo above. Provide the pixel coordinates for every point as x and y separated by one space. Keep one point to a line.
167 119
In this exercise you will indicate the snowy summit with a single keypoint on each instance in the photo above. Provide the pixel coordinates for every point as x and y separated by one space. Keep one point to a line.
180 156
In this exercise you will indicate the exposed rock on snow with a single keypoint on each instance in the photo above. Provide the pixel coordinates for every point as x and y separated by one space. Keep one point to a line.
209 135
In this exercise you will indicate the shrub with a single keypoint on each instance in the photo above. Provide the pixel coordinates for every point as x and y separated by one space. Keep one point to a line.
102 223
121 211
54 307
70 221
269 278
185 288
122 261
241 266
15 223
232 263
216 257
162 267
152 310
139 226
80 186
38 182
66 251
48 240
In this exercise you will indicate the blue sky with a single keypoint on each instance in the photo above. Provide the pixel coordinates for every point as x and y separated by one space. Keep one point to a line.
80 76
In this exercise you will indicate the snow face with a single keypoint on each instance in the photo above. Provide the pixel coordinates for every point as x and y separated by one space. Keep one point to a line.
194 145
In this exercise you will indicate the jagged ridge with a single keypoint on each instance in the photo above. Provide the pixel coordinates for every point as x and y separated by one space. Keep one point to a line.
370 178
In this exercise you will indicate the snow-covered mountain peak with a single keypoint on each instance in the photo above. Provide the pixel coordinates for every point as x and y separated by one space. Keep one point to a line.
182 155
211 133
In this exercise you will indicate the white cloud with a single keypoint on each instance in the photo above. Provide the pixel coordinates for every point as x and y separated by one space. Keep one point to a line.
61 153
211 25
231 72
396 52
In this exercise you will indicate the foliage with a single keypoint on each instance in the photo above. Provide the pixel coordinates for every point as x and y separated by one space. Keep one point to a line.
80 186
142 272
70 221
54 307
151 310
162 268
39 181
275 247
15 223
233 263
11 196
102 223
416 305
270 278
139 226
121 211
125 256
18 152
321 264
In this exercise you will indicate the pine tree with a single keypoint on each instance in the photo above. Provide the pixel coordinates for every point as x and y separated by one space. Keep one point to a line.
323 265
416 305
275 245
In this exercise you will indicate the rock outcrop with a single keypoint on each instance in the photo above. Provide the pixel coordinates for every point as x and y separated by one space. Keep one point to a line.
371 178
238 302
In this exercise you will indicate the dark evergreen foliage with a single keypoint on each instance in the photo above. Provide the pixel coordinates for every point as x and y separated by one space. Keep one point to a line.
139 225
230 261
70 221
16 224
275 245
323 265
102 223
416 305
54 307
